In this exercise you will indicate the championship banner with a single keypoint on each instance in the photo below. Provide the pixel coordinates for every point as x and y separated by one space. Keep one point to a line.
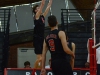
18 71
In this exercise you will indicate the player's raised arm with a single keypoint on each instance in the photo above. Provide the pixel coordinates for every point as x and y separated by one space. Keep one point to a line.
39 12
48 8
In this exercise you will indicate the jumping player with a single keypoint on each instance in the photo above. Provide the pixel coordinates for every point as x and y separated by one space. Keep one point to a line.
38 37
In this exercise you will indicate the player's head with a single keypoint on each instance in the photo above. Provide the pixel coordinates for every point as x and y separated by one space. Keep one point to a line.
27 64
52 21
35 9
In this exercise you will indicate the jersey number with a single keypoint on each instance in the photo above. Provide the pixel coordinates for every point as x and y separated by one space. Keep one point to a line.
52 45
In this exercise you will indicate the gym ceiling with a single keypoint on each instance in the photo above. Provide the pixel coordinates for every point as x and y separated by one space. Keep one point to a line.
4 3
79 4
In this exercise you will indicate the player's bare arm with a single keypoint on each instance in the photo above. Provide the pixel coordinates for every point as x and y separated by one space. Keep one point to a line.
45 49
40 9
62 36
48 8
72 59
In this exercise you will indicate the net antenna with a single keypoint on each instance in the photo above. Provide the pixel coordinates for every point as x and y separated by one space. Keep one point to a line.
94 24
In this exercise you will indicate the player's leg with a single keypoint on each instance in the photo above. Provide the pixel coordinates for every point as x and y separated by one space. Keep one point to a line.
67 69
59 67
38 44
37 63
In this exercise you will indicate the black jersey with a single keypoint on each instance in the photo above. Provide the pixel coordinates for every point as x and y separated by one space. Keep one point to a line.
54 44
39 26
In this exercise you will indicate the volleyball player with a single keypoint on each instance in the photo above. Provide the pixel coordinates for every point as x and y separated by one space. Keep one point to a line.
39 22
71 45
56 43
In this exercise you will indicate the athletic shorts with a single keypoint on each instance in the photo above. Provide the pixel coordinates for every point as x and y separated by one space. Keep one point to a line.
61 67
38 45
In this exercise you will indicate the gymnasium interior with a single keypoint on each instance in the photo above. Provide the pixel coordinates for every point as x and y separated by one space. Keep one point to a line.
80 19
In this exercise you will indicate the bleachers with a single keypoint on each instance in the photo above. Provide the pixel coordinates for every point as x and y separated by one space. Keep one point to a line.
4 38
78 32
81 47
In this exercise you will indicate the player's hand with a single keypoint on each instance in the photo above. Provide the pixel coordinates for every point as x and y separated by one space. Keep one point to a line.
87 64
43 72
73 55
50 2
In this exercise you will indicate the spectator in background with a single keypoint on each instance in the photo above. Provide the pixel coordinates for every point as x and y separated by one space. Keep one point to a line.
27 64
49 65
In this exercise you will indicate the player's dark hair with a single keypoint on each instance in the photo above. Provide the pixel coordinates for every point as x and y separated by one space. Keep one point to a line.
34 8
26 63
52 21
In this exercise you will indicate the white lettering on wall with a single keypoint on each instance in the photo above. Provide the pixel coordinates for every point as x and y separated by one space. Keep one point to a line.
27 73
49 73
74 73
87 73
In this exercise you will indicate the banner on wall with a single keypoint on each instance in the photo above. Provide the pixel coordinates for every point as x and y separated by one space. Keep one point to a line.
49 72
